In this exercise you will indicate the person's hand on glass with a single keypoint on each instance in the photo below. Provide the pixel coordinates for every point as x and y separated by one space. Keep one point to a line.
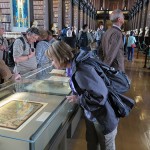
72 98
16 76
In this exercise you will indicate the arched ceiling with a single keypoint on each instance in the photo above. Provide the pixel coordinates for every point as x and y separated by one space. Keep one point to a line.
112 4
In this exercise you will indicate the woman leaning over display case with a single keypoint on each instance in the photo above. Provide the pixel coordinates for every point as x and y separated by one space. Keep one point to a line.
101 127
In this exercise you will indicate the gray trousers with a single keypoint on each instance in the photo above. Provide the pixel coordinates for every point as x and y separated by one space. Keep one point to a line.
96 140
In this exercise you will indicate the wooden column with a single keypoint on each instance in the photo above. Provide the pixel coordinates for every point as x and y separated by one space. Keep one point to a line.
64 24
134 21
104 4
92 20
94 15
50 14
88 17
71 12
148 16
46 15
85 16
143 16
31 12
139 19
81 17
78 16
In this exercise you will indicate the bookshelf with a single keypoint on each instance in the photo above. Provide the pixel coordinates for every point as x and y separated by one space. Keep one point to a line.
55 12
67 13
75 9
38 8
5 12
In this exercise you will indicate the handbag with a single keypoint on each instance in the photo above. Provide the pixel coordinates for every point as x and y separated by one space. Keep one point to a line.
133 45
121 104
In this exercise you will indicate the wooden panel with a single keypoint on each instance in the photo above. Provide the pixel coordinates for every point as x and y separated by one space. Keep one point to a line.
143 16
136 23
148 16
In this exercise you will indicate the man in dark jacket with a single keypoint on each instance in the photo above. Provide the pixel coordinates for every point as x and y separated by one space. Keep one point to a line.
84 39
112 42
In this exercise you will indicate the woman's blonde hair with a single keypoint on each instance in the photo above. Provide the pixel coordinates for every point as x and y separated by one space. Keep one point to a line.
61 51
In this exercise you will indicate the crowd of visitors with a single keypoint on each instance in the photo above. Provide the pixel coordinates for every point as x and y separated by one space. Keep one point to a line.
40 47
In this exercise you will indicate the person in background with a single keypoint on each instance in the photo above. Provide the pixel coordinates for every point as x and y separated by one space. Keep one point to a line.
84 39
41 47
69 32
98 35
112 42
25 59
63 33
50 38
5 73
101 129
70 39
3 42
74 32
131 40
94 49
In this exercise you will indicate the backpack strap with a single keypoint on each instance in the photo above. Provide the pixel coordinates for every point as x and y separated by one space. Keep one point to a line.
24 44
74 70
23 41
78 89
2 39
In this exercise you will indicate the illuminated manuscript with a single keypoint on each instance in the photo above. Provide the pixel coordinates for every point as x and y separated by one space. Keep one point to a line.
14 113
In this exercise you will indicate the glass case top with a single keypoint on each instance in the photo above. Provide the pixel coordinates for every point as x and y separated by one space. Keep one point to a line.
46 87
29 104
44 72
33 103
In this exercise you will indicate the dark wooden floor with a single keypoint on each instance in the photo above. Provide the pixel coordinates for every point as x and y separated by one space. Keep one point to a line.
134 130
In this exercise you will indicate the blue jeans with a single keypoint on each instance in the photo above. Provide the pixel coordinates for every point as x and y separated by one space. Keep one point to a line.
96 140
130 53
85 49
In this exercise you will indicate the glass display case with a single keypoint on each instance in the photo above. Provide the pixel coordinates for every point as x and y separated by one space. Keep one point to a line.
34 114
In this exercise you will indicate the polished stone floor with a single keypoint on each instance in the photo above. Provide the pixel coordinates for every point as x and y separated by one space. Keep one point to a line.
134 130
